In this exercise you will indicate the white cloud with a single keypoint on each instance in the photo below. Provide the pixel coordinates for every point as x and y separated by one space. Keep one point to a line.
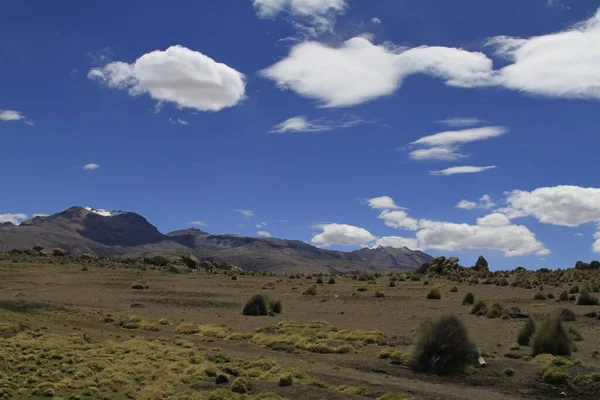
494 219
261 225
342 235
302 124
376 21
596 245
12 115
458 122
320 72
382 203
451 138
91 167
397 242
197 223
579 234
399 219
178 121
318 13
178 75
543 65
514 240
263 233
437 153
40 215
559 205
466 169
245 213
466 205
13 218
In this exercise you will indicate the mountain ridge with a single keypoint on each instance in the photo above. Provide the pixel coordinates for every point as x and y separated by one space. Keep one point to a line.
128 234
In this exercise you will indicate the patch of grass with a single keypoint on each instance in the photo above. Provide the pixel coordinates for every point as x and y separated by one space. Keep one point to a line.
260 304
331 281
396 357
551 337
379 294
555 376
443 347
587 380
187 329
526 332
514 347
164 321
240 385
395 397
434 294
564 296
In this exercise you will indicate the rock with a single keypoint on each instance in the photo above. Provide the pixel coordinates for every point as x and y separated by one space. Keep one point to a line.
45 251
159 261
16 251
59 252
439 265
481 265
513 356
178 269
191 261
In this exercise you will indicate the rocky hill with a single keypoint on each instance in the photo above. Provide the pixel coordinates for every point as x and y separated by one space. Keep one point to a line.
104 233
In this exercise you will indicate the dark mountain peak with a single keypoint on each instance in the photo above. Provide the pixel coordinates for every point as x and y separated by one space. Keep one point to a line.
8 223
189 231
397 257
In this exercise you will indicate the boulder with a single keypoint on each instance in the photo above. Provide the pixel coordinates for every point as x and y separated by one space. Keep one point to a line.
178 269
45 251
481 265
16 251
159 261
191 261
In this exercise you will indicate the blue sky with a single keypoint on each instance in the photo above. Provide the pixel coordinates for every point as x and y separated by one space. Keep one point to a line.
300 111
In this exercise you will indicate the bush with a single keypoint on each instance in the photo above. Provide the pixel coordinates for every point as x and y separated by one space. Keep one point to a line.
555 376
319 281
539 295
240 385
551 337
479 308
434 294
469 299
331 281
509 372
574 289
550 296
379 294
286 380
454 289
311 291
443 347
495 311
276 306
392 284
257 305
586 299
526 332
564 296
567 315
234 277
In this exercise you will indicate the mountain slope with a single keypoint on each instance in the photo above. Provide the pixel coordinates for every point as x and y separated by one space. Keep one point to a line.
85 230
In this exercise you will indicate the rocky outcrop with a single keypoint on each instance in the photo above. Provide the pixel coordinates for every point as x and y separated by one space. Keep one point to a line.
191 261
481 265
159 261
439 265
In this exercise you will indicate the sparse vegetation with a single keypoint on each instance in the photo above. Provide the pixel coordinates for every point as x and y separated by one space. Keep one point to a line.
526 332
551 337
443 347
469 299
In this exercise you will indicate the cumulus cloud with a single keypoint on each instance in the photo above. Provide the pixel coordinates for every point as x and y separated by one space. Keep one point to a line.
178 121
197 223
177 75
579 234
91 167
321 72
563 205
320 14
458 122
466 169
12 115
261 224
466 205
302 124
494 219
399 219
12 218
382 203
596 245
342 235
485 202
513 240
437 153
398 242
245 213
263 233
376 21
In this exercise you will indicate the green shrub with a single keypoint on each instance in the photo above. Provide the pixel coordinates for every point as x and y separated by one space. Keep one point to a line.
434 294
526 332
586 299
469 299
551 337
443 347
319 281
479 308
240 385
555 376
379 294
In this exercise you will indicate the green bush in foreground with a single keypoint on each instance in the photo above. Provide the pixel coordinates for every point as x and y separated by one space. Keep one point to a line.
551 337
443 347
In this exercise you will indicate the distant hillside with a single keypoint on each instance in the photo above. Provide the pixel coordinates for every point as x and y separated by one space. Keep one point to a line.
104 233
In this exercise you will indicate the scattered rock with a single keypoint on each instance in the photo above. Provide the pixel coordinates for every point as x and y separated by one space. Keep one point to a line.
191 261
178 269
59 252
158 261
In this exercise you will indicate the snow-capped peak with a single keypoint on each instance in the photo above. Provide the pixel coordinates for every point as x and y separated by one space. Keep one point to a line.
376 247
104 213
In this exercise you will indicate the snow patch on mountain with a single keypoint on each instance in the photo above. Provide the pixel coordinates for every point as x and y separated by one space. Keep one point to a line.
104 213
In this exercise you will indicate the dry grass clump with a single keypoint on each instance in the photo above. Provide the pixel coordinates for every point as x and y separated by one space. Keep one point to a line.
187 329
479 308
260 304
434 294
567 315
526 332
140 285
443 347
539 295
495 311
551 337
331 281
586 298
310 291
469 299
268 286
564 296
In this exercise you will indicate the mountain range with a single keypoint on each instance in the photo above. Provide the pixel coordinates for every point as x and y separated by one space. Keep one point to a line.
106 233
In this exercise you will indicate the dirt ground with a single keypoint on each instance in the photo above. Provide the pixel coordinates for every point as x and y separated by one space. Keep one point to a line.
64 299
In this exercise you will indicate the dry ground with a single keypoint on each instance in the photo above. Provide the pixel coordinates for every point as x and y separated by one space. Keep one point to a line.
61 308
